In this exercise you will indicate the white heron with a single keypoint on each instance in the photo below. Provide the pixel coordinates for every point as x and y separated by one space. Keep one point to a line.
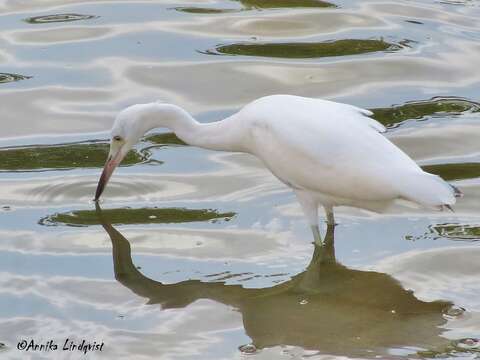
330 154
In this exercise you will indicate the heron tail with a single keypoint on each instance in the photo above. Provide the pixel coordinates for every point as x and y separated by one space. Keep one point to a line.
456 191
429 190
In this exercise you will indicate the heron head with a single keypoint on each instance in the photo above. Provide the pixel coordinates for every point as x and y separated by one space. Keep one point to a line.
125 133
130 126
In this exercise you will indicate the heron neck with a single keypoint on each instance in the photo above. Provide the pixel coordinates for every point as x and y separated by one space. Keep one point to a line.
219 135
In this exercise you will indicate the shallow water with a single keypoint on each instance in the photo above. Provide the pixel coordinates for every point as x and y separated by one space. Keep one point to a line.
205 255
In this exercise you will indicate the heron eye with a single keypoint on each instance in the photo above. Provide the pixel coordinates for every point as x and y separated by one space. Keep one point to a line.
117 138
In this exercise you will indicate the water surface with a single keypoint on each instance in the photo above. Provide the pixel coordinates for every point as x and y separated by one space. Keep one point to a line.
195 254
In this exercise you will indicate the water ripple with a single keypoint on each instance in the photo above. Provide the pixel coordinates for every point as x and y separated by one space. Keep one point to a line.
425 91
65 34
45 19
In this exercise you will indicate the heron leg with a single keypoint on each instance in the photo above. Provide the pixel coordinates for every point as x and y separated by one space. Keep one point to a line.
316 235
310 209
330 216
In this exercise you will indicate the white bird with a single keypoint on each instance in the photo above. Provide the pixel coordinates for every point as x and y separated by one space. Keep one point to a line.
328 153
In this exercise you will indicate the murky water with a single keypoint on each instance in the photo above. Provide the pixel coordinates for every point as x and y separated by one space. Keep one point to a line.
205 255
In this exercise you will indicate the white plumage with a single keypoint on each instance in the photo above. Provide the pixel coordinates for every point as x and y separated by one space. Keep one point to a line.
330 154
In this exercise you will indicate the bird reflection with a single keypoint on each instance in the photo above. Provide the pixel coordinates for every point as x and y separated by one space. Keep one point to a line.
328 307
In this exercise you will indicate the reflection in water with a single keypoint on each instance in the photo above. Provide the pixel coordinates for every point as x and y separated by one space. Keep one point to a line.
57 18
300 50
450 231
265 4
455 171
455 349
85 68
328 306
6 77
418 110
455 231
76 155
168 138
67 156
258 4
414 22
136 216
201 10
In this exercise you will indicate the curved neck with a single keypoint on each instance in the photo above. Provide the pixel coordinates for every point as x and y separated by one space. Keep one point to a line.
220 135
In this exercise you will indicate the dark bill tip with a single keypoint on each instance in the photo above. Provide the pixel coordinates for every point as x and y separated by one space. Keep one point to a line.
102 182
100 187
